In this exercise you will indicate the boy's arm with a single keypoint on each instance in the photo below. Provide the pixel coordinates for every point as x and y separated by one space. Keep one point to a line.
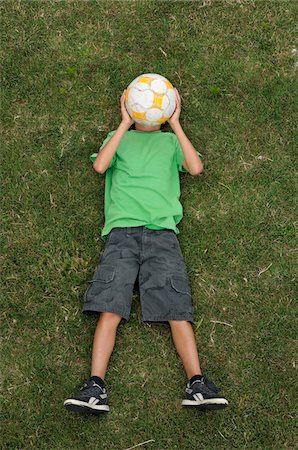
192 162
106 154
104 157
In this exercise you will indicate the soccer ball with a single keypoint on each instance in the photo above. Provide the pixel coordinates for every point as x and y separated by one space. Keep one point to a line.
150 99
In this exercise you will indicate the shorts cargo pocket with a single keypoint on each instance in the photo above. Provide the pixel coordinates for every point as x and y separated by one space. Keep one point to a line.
181 296
100 285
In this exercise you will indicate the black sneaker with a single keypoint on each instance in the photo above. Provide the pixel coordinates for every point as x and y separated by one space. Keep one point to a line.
203 395
92 399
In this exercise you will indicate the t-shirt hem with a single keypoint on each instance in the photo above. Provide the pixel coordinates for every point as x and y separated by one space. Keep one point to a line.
106 231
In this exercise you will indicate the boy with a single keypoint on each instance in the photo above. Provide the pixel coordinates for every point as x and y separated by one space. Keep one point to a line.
142 209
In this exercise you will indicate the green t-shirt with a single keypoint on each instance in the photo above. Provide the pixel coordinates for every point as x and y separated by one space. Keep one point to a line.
142 185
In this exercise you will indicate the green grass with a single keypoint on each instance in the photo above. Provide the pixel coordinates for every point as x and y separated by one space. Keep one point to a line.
64 68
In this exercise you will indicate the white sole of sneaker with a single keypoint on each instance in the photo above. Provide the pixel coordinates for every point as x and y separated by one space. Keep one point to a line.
212 403
79 406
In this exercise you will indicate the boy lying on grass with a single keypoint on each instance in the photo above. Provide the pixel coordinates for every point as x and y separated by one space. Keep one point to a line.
142 209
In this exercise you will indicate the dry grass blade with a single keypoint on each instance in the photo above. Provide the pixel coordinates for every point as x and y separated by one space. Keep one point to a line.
222 323
142 443
163 52
264 270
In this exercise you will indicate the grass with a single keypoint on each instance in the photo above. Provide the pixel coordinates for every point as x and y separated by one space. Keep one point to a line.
64 67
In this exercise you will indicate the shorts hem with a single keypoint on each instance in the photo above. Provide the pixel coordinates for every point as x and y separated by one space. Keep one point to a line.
97 310
167 318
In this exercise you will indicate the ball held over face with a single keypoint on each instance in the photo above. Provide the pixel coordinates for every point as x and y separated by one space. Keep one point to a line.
150 99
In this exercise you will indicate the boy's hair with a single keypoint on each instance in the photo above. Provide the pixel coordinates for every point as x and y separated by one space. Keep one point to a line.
162 127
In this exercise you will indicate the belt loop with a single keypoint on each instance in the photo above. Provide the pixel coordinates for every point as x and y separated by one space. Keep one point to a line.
128 230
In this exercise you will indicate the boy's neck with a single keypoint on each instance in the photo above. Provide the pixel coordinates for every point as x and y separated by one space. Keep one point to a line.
140 127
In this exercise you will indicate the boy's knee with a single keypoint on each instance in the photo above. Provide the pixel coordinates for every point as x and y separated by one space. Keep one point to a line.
179 323
110 317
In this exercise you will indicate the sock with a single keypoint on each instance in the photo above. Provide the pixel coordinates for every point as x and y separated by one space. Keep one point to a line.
98 380
195 378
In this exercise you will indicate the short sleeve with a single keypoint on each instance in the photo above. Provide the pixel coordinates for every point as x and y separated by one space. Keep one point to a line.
180 156
94 155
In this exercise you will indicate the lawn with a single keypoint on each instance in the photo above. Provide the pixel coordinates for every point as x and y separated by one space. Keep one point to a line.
64 67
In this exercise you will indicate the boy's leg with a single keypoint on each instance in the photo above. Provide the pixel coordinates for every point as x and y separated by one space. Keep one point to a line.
200 393
93 397
103 343
185 343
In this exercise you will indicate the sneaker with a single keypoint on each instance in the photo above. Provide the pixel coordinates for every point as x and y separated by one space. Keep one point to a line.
92 399
203 395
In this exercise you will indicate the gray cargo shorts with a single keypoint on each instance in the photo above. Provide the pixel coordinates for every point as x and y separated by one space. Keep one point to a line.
155 260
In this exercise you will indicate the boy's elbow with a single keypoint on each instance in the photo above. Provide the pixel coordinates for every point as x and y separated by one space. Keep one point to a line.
98 168
197 170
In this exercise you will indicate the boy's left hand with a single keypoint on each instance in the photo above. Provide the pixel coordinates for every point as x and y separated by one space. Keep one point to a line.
175 116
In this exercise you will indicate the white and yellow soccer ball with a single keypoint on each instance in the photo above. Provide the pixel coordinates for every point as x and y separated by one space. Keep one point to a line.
150 99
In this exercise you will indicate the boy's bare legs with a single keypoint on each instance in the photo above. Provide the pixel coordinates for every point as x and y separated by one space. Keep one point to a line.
103 343
185 343
105 336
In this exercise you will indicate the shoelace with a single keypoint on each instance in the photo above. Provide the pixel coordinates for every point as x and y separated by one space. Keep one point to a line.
86 385
211 385
208 383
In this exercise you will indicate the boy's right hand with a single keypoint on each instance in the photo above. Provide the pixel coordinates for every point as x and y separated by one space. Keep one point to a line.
125 116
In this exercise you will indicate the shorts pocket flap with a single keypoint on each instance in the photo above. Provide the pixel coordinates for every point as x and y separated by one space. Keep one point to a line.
180 284
104 273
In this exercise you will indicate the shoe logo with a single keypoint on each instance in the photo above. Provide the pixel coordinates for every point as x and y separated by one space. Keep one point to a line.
93 401
103 395
199 397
